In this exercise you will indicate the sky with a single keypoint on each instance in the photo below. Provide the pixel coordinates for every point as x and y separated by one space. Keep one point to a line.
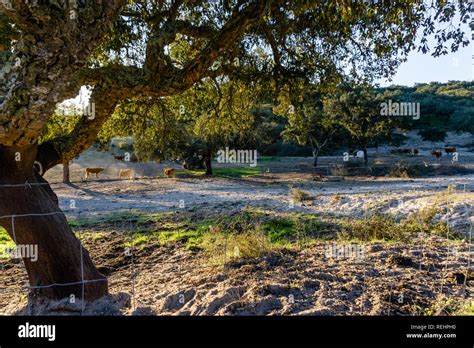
420 68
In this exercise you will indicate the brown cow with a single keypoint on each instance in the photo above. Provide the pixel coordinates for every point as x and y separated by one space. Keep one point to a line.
126 173
449 150
169 172
436 153
95 171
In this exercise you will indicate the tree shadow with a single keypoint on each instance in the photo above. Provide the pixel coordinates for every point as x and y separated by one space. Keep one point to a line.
110 305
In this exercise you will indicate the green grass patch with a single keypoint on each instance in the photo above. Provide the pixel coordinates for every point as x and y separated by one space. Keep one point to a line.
386 228
254 231
269 158
120 218
5 243
230 172
449 306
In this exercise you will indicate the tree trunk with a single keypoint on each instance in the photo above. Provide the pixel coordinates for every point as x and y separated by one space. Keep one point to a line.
66 178
366 157
315 157
60 258
208 165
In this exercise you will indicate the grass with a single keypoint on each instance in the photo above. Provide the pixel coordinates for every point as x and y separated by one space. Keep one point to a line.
5 243
405 170
275 230
220 246
269 158
253 231
124 218
230 172
449 306
379 227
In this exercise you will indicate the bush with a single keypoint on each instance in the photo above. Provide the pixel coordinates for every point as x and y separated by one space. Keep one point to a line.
404 170
300 196
123 145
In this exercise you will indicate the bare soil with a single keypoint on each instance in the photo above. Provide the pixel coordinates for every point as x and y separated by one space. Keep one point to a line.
392 279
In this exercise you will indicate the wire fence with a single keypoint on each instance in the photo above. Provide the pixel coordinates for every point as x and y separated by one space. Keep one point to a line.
390 276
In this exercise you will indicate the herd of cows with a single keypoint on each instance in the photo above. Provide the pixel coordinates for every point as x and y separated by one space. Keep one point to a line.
123 173
435 153
170 172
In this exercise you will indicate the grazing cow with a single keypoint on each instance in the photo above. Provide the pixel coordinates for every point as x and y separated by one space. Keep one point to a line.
449 150
169 172
119 158
95 171
436 153
126 173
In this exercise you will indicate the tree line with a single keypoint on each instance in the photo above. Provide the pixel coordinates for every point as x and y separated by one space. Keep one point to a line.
215 114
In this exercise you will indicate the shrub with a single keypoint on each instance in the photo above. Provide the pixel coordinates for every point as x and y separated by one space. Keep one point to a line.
300 196
404 170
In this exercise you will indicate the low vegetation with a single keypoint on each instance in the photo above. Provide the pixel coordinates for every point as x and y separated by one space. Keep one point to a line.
251 233
299 195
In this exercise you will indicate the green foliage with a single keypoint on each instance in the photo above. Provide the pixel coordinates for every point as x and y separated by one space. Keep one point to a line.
196 123
5 242
308 124
59 125
444 107
357 110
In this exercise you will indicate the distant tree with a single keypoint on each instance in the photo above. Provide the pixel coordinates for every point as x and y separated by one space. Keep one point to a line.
308 124
191 126
358 111
60 125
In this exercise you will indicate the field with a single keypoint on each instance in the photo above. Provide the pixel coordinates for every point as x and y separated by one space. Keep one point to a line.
276 239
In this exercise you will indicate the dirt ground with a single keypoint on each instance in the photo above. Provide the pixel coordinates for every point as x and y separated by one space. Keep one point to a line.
391 278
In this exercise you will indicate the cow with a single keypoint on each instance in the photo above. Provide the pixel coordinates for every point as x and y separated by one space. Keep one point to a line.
119 158
449 150
169 172
126 173
437 153
95 171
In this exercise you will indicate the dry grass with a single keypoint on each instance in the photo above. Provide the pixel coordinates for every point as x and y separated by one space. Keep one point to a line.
300 196
224 244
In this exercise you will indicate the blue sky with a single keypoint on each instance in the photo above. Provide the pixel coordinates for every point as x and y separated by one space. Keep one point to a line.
425 68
